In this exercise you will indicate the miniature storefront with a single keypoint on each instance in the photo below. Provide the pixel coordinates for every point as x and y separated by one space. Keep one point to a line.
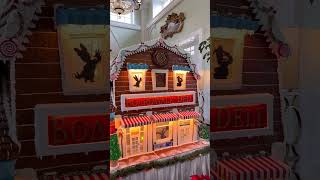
141 134
155 98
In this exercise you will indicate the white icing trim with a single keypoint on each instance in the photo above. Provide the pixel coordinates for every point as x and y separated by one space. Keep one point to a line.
124 96
248 99
11 20
118 62
13 126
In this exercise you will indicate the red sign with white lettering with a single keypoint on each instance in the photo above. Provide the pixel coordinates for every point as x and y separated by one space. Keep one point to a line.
158 100
239 117
63 130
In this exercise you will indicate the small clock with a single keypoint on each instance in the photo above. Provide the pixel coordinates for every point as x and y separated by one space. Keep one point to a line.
160 58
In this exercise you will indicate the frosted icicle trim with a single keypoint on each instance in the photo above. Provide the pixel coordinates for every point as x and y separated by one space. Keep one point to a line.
12 123
267 14
20 17
118 62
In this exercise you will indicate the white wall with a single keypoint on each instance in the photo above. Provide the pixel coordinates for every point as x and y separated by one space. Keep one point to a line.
125 37
309 165
301 26
121 37
197 16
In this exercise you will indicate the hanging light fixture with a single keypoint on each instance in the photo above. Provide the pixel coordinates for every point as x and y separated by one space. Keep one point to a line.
122 7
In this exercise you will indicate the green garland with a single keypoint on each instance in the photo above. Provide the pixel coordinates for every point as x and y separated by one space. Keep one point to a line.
115 152
204 48
204 131
158 164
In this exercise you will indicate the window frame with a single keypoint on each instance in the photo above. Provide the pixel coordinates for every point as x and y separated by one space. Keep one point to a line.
132 26
132 18
163 6
163 12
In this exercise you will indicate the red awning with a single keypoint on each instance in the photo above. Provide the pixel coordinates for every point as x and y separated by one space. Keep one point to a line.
135 121
189 114
100 176
165 117
251 168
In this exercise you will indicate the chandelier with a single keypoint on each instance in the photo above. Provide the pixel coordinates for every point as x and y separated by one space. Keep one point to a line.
122 7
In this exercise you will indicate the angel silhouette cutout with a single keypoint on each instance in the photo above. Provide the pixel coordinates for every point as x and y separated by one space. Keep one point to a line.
138 81
163 133
89 68
224 59
180 80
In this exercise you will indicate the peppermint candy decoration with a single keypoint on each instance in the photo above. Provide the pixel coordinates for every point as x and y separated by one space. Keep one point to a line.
8 48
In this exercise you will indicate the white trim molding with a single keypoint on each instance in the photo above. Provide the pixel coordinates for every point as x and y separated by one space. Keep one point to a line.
42 111
240 100
163 94
164 12
125 25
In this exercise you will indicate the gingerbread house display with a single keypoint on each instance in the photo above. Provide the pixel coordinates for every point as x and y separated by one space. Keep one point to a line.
155 101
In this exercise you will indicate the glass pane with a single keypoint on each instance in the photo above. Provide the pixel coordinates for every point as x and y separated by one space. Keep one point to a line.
128 18
141 137
158 6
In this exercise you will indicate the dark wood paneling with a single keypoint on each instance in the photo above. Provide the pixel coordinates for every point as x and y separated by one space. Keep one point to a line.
40 55
27 148
25 132
258 53
259 66
272 89
72 168
46 11
256 40
43 39
45 24
260 79
38 71
25 116
38 85
60 160
30 100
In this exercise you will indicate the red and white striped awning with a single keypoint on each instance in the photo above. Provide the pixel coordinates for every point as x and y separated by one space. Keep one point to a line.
165 117
135 121
251 168
189 114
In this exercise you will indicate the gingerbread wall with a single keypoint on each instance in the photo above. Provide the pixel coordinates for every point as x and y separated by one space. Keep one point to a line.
38 81
122 83
259 76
